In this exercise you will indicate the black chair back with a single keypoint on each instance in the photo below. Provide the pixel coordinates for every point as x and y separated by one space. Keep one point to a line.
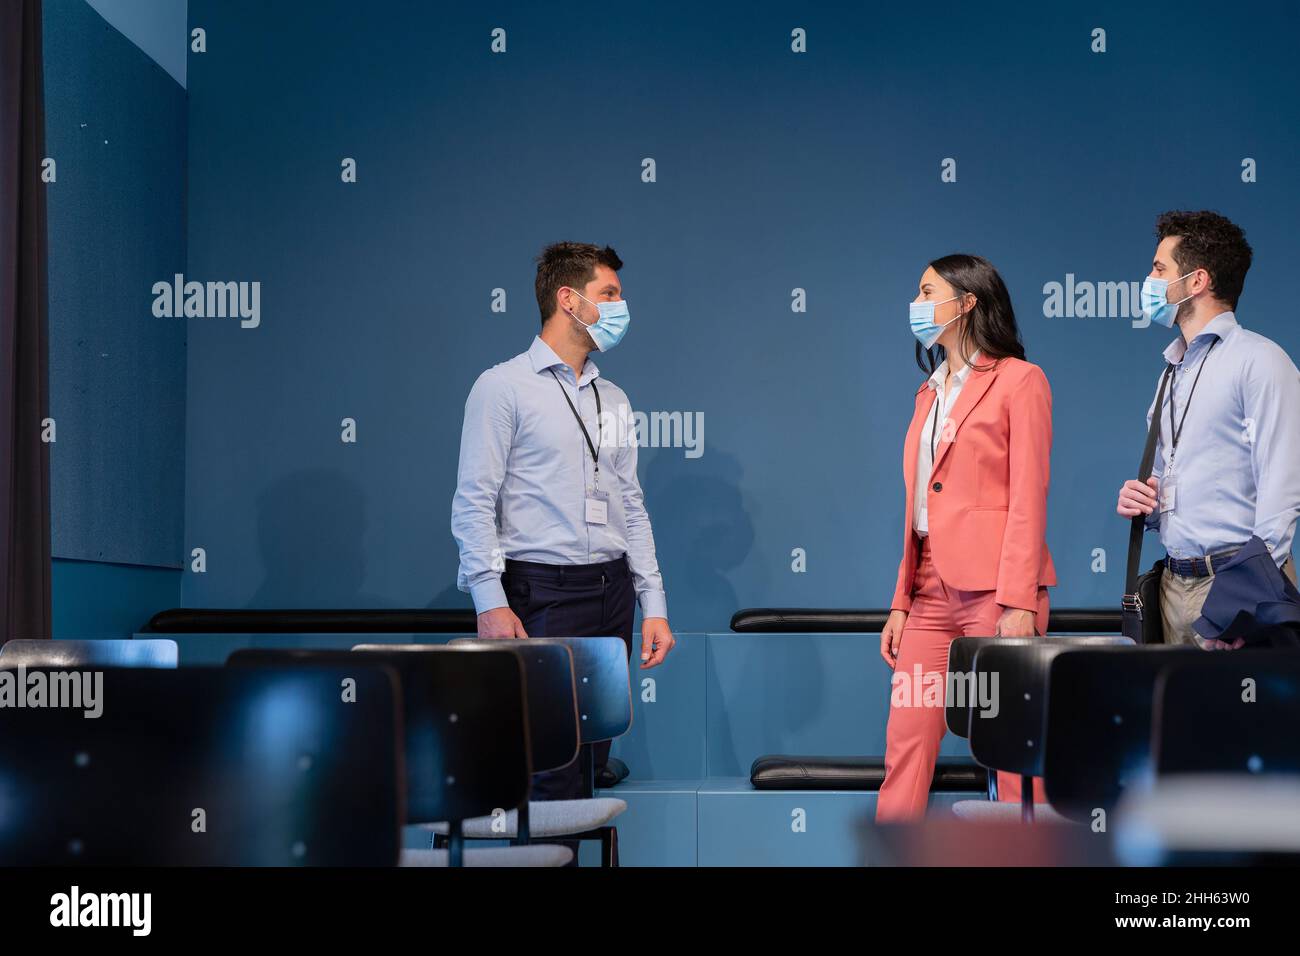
552 700
202 766
1099 724
151 652
1010 676
1234 712
603 685
962 677
465 717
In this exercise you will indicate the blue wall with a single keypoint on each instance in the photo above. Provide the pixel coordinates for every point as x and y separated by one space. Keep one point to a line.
158 27
775 170
115 126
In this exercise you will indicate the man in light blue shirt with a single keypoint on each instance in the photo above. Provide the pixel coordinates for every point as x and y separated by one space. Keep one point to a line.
548 513
1228 455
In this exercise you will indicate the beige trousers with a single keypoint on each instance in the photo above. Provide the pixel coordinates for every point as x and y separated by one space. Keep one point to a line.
1181 600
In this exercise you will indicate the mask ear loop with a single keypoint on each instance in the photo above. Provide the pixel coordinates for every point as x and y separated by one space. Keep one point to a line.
958 315
1180 279
584 299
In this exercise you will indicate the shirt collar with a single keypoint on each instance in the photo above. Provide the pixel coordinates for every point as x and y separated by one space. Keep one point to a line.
958 378
543 357
1220 326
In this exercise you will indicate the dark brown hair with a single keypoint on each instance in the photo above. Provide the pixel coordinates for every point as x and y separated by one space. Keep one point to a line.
571 264
1211 242
991 325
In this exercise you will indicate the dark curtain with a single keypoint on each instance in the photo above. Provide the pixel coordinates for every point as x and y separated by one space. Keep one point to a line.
24 368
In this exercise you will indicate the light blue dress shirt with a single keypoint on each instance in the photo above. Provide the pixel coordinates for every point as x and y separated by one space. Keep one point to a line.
1237 469
525 471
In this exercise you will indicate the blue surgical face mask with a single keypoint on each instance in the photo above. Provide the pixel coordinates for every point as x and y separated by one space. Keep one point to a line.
607 331
923 325
1155 303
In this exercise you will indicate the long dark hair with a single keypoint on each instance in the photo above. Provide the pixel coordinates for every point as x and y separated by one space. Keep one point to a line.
990 326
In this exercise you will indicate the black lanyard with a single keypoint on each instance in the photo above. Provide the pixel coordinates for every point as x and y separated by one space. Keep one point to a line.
1175 433
595 454
934 425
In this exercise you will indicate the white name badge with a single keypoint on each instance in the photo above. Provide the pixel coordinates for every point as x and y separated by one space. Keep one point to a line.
1168 491
597 508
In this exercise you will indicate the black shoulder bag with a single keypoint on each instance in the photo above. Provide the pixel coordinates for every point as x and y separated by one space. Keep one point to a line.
1141 604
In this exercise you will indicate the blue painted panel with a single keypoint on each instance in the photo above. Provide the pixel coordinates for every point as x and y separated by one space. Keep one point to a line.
658 827
739 826
667 737
91 599
156 26
116 128
797 694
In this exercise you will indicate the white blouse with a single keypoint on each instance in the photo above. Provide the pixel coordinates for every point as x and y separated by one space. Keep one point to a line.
945 399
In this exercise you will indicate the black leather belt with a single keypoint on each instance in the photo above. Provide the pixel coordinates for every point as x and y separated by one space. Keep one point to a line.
602 571
1201 567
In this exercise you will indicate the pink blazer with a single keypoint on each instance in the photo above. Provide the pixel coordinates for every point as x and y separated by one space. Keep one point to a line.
987 500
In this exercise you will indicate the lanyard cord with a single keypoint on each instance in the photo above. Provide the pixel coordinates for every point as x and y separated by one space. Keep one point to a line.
934 426
1177 432
595 454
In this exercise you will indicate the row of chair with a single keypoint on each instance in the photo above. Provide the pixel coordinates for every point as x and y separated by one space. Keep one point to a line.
1106 724
296 757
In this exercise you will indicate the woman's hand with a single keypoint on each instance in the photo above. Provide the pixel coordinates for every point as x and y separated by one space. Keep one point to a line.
891 635
1015 622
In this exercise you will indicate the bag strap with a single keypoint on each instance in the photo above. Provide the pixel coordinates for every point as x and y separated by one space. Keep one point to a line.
1138 528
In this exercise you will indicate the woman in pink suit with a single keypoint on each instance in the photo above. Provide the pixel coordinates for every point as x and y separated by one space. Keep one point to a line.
975 466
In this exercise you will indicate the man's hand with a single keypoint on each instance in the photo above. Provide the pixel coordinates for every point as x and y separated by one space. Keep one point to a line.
1138 498
1015 622
656 641
500 622
891 635
1213 644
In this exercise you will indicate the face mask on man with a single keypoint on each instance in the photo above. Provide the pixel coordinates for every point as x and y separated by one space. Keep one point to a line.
1155 302
921 315
608 330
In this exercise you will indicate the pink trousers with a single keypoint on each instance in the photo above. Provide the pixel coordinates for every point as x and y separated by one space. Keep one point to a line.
916 711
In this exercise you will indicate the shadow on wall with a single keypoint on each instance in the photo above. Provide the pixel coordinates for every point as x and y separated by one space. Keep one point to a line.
312 538
320 511
702 531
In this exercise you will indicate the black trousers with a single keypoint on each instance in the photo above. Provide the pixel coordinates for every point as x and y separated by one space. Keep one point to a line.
572 600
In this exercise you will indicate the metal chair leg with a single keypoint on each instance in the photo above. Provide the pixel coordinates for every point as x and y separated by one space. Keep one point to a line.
609 846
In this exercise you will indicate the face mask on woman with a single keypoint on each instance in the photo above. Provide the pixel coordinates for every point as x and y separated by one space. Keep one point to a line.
924 328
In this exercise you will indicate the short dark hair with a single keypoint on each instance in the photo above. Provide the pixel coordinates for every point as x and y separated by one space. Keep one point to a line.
1211 242
570 264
